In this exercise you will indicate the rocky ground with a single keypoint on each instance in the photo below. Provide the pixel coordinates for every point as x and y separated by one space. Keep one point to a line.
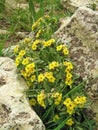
81 30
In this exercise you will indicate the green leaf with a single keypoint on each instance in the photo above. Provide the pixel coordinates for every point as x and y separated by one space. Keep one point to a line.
61 124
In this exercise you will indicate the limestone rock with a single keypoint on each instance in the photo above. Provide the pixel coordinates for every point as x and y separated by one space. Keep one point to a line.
15 111
3 32
14 4
81 33
72 5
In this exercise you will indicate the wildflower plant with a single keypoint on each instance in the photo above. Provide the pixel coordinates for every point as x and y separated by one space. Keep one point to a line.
46 67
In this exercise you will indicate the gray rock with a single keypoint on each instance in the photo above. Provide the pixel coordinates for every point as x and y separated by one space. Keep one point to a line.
14 4
15 111
72 5
3 32
81 34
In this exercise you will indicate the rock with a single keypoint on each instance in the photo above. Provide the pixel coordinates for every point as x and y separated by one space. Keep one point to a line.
11 3
15 111
3 32
72 5
21 35
14 4
22 6
81 34
95 109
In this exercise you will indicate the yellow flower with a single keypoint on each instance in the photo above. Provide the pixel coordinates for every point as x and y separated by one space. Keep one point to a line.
51 79
65 51
33 78
16 49
77 100
40 98
17 60
40 19
48 43
30 68
67 101
47 74
38 33
32 102
68 81
36 42
68 75
27 40
80 100
56 117
68 65
36 24
27 68
70 111
41 77
22 53
34 47
53 65
83 99
69 105
70 122
32 65
57 98
25 61
59 48
23 73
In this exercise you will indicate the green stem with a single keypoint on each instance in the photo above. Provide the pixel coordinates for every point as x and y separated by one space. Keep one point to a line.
75 88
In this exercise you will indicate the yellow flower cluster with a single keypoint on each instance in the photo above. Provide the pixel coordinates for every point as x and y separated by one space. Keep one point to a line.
27 40
47 75
45 65
28 71
35 44
19 57
36 24
69 67
38 33
40 98
50 77
69 105
57 98
25 61
53 65
70 122
29 75
63 48
16 49
48 43
79 101
41 78
17 60
30 68
59 47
